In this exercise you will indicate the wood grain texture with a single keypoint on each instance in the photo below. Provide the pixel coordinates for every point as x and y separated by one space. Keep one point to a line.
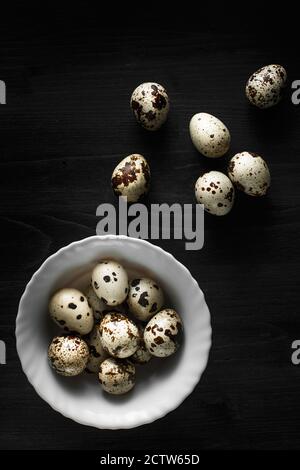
66 124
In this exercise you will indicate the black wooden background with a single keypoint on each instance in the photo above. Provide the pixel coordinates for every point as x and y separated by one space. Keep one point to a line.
67 123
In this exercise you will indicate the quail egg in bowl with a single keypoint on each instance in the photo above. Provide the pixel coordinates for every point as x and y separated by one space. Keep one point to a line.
160 384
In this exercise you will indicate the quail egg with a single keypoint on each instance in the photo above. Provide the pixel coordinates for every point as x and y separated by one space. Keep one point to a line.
117 376
97 353
119 335
215 191
131 177
141 355
265 86
110 282
95 303
150 105
250 173
68 355
209 135
162 333
70 310
145 298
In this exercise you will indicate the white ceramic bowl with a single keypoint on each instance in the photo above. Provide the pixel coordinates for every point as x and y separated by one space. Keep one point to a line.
161 385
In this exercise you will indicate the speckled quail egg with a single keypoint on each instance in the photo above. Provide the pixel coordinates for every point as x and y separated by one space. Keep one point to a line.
265 86
131 177
215 191
119 335
162 333
97 353
250 173
145 298
150 104
110 282
209 135
117 376
68 355
70 310
141 355
97 305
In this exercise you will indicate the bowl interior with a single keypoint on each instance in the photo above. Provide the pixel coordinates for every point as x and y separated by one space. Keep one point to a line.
161 384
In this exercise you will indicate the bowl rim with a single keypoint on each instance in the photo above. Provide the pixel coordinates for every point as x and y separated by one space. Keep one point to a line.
85 421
